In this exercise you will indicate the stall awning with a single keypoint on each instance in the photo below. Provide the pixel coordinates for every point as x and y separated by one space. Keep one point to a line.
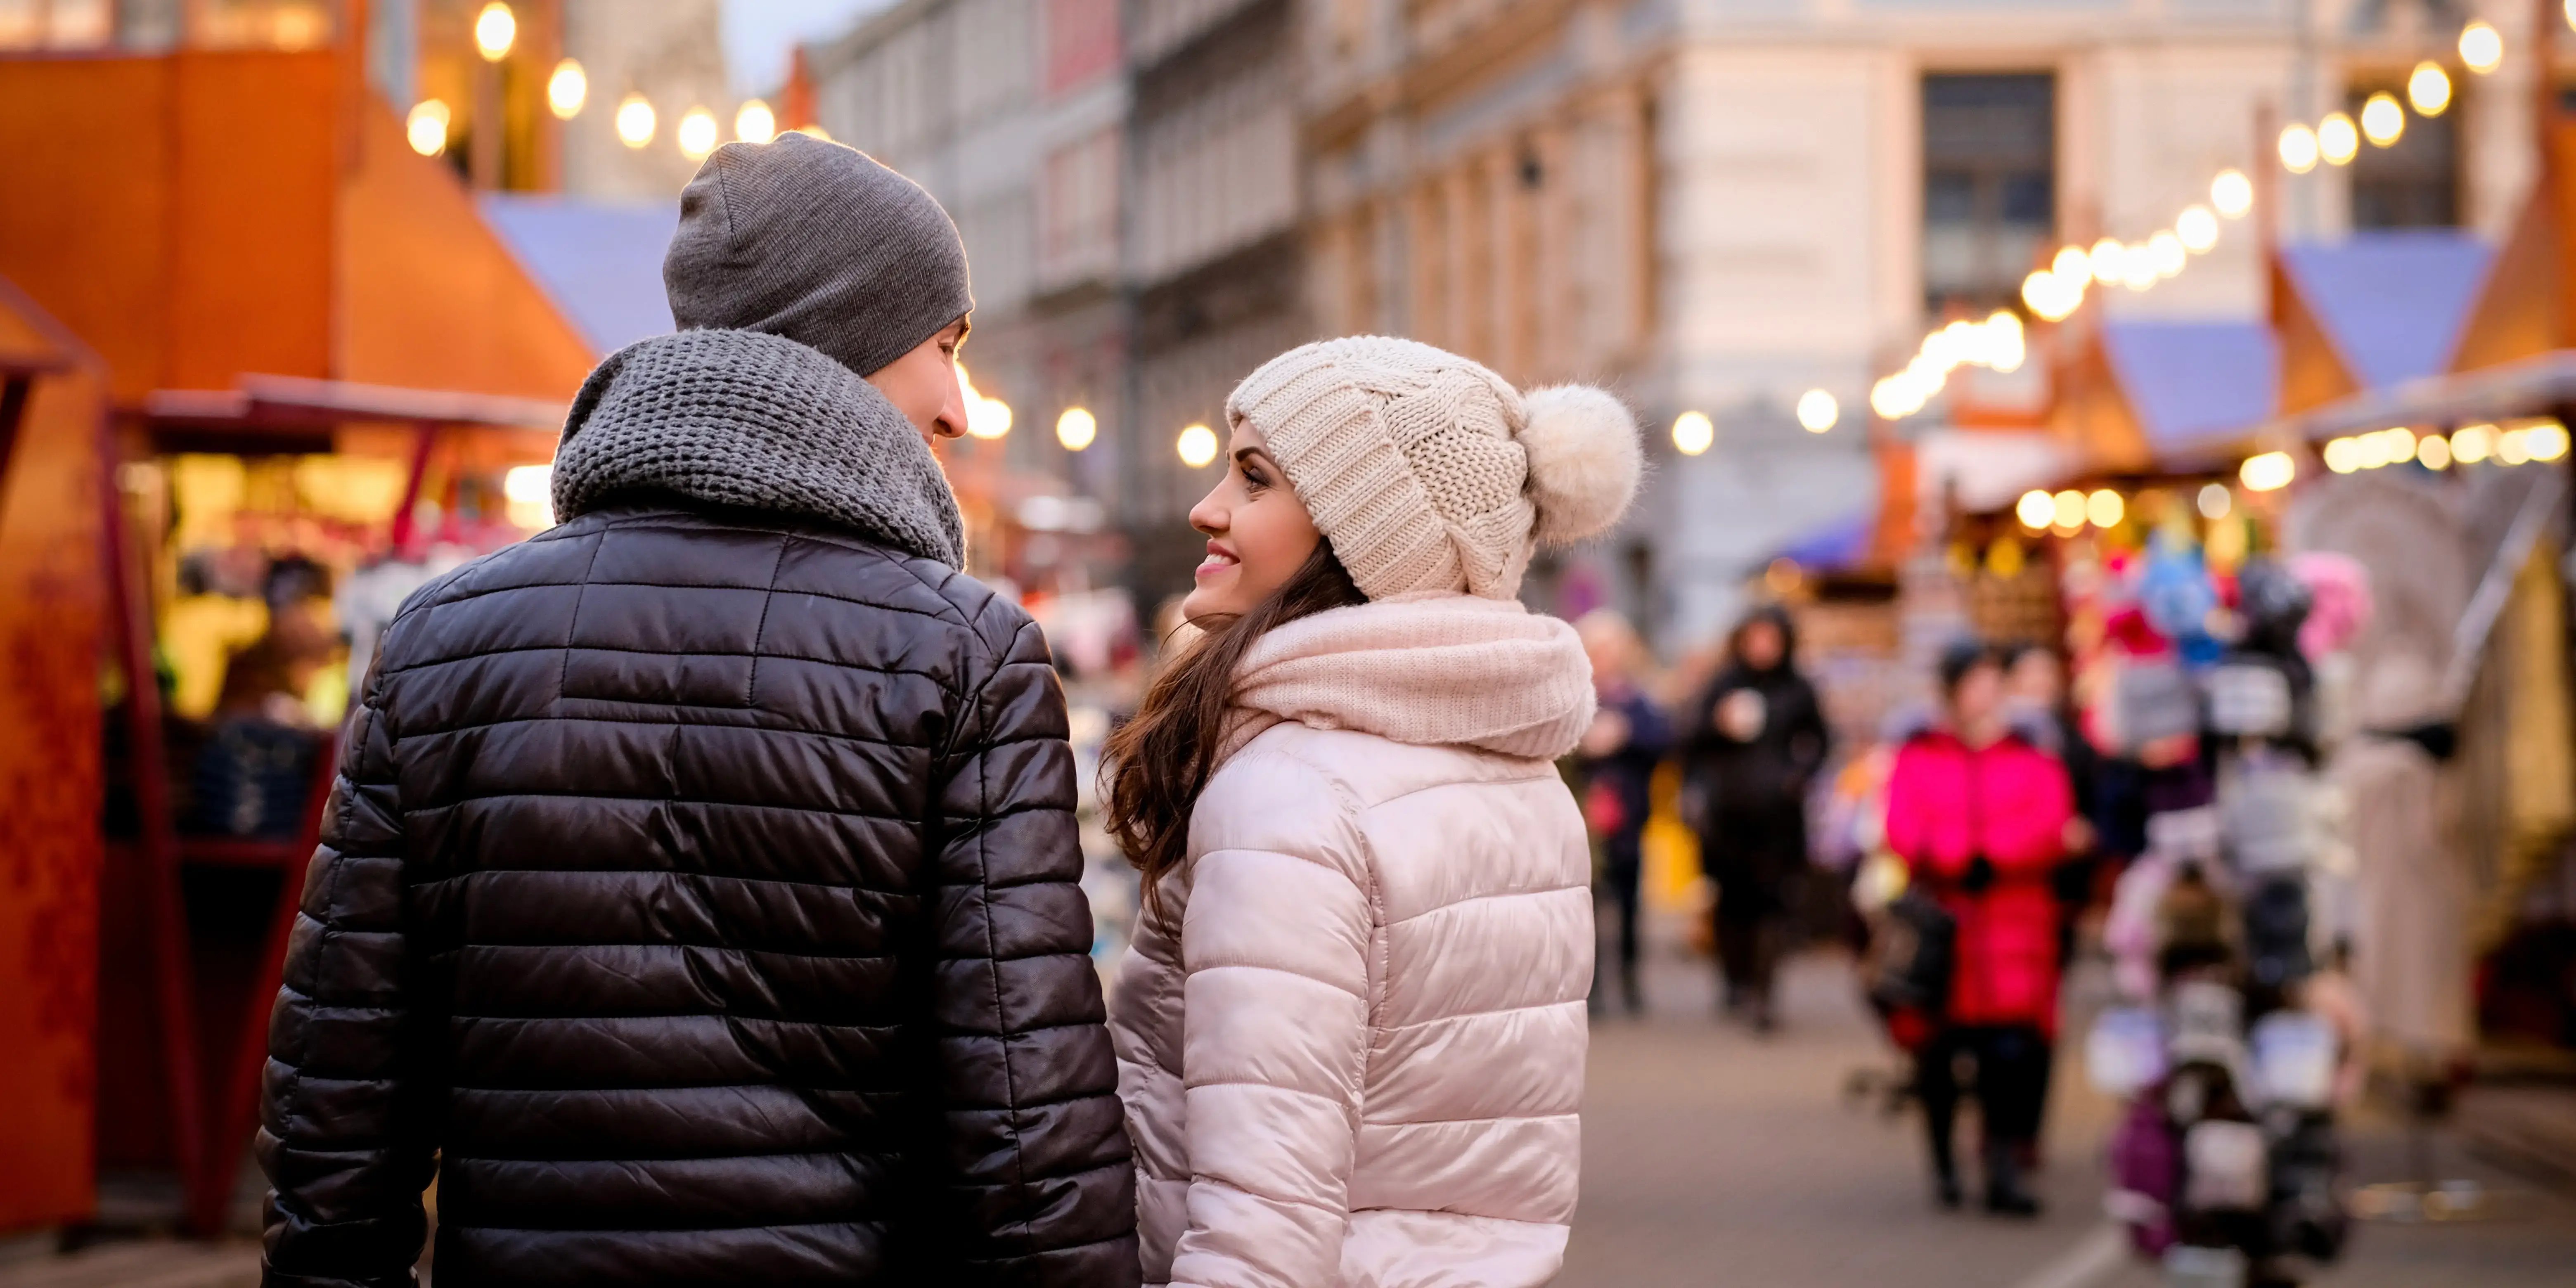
2194 387
599 261
2391 303
298 401
2517 388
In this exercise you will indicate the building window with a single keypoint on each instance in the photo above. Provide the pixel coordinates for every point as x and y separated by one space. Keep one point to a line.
1989 184
2416 182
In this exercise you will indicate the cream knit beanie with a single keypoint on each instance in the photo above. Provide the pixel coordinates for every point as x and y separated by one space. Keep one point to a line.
1429 473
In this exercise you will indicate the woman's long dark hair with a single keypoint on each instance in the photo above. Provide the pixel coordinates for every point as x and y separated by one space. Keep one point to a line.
1160 760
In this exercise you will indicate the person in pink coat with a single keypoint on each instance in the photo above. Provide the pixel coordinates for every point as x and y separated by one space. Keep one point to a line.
1351 1029
1979 815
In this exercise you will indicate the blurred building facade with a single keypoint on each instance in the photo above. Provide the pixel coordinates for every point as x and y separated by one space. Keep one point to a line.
1013 114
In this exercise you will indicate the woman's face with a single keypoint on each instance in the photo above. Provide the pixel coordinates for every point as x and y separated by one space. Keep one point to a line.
1978 698
1259 533
1761 645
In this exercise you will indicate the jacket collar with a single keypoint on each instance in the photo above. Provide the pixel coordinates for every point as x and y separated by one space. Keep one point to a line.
760 422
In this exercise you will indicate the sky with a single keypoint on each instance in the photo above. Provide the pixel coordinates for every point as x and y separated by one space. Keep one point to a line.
759 33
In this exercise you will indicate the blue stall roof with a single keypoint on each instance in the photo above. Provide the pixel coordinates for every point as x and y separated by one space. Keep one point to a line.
1836 546
2392 301
599 261
2194 384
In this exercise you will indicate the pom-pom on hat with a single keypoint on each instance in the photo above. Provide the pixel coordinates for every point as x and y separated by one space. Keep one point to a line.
1429 473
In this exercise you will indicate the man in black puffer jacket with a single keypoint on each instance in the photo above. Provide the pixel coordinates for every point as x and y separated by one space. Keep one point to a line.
698 898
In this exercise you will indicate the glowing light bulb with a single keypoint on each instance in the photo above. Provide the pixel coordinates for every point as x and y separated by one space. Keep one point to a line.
2547 440
2072 262
1693 433
755 123
1817 411
2036 509
2105 508
2481 47
635 121
697 133
495 30
2066 509
2269 472
527 495
1076 429
2383 122
426 127
2215 501
2166 251
2110 261
2197 228
2343 455
2471 444
2434 452
567 90
1197 446
2429 88
2232 193
2299 149
2338 140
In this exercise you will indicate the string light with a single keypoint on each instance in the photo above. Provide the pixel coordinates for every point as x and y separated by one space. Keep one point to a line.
2383 122
1817 411
2109 261
1693 433
495 30
2338 140
2067 509
2105 508
2299 149
755 123
2481 47
2232 193
426 127
635 121
2269 472
2036 509
697 133
2434 453
2196 228
2471 444
1076 428
567 89
2072 262
2166 251
2429 88
1197 446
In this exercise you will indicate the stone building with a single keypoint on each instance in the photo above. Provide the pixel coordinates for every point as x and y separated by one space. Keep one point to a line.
1012 113
1720 205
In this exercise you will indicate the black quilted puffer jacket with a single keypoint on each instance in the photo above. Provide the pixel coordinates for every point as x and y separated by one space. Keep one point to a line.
699 902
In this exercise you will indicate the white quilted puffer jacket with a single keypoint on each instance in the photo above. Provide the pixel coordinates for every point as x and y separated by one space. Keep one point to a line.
1352 1044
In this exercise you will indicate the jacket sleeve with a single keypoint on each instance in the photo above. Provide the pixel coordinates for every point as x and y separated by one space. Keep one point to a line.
1909 814
1275 940
349 1095
1033 1140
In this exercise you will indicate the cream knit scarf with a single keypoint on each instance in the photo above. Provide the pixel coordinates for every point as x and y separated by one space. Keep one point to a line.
1438 670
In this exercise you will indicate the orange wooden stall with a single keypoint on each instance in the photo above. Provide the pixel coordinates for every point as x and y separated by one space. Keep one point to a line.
228 251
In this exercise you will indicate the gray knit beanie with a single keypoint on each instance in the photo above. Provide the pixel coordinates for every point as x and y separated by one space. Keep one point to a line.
818 243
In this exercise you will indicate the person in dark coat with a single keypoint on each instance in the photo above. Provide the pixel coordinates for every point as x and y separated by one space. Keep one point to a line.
1628 739
1756 738
698 900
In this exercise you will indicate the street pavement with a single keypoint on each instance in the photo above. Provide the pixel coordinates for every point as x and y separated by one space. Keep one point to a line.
1713 1157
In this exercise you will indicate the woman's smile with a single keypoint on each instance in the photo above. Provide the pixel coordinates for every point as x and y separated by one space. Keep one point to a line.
1219 559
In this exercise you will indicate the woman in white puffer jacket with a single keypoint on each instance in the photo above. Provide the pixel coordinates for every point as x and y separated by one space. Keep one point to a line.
1351 1031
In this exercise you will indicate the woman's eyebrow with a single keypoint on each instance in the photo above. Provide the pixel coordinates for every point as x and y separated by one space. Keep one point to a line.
1247 455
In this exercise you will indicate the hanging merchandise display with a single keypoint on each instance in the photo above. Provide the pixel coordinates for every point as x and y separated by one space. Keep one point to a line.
2228 1052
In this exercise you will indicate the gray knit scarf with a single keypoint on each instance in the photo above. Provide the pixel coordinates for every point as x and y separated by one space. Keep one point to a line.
742 418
